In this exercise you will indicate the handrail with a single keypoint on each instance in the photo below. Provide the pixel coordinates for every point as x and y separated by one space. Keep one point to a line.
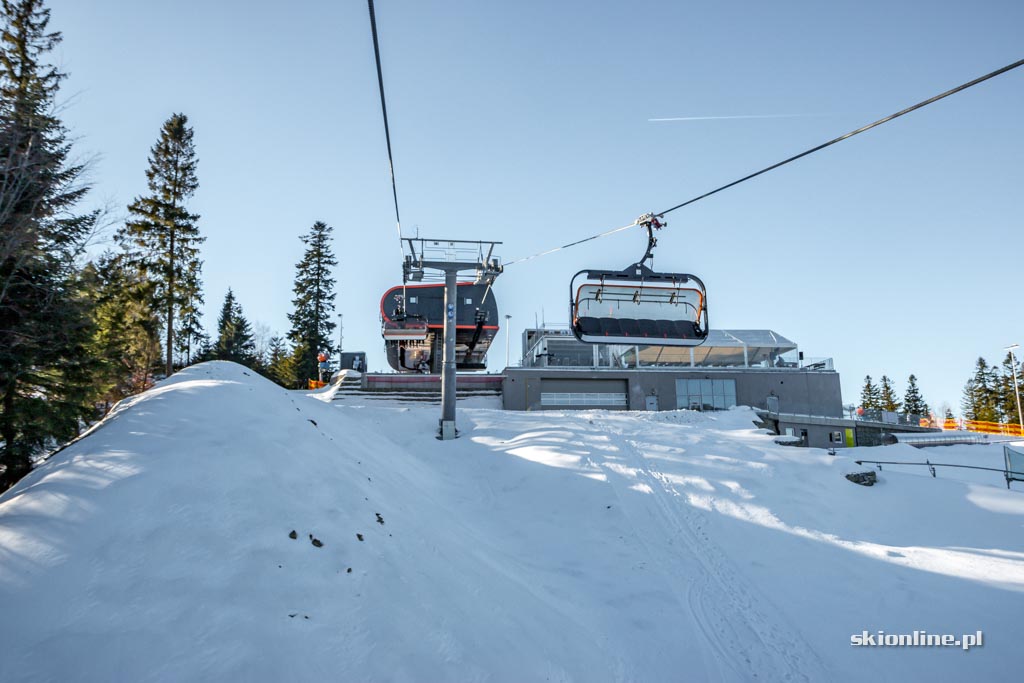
933 465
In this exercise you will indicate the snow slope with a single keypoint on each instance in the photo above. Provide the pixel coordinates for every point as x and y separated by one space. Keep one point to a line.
578 546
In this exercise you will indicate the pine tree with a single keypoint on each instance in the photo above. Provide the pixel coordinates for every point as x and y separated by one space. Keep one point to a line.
281 364
869 396
1005 395
44 319
314 302
234 335
887 395
189 335
162 235
913 402
126 331
979 398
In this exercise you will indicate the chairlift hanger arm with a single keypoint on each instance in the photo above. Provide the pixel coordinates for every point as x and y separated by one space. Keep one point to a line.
652 223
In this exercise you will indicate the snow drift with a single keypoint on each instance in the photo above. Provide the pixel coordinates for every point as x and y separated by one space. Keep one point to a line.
583 546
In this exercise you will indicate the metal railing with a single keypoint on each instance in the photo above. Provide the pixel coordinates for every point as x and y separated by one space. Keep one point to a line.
893 417
932 465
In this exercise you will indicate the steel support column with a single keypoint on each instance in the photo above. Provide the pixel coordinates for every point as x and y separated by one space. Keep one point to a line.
448 372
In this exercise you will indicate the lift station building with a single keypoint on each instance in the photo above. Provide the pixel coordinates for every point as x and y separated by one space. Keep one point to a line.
757 368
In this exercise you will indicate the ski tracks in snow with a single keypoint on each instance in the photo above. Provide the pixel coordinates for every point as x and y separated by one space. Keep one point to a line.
747 641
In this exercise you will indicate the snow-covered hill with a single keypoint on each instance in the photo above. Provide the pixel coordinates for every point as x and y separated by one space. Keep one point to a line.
583 546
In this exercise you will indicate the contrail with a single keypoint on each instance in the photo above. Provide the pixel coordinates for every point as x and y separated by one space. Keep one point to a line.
750 116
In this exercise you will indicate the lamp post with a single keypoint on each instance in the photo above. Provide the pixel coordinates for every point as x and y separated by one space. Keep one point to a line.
507 318
1016 390
341 336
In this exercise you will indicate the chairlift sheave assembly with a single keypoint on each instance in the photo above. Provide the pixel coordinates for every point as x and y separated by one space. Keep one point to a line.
639 305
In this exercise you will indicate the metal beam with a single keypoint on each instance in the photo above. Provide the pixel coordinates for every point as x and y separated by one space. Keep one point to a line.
451 275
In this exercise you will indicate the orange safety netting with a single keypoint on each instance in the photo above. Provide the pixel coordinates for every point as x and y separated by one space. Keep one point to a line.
982 427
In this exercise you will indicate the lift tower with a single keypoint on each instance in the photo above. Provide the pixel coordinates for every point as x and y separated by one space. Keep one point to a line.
450 257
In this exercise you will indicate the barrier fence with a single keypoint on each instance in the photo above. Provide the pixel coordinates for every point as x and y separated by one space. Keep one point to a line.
1006 429
1013 470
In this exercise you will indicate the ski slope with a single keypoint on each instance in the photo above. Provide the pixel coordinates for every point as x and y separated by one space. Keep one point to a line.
576 546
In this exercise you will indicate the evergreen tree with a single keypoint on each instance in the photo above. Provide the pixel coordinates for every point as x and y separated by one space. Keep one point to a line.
1005 395
126 331
913 402
162 235
869 396
234 335
44 319
314 302
190 335
281 364
887 395
979 398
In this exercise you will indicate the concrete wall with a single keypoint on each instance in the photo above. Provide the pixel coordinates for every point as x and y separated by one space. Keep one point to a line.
409 381
819 429
798 391
817 435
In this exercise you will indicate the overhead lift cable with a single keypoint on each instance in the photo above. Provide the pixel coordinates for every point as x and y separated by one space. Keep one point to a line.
387 129
879 122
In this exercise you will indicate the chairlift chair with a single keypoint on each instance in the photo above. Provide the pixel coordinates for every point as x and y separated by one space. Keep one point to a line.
639 305
404 329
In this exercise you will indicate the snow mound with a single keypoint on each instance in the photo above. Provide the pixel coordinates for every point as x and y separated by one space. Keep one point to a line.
575 546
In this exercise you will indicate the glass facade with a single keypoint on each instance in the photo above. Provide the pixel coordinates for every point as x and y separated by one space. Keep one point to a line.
705 394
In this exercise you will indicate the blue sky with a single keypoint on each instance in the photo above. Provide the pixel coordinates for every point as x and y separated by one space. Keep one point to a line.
895 252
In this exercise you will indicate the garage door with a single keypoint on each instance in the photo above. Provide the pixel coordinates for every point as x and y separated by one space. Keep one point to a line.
558 394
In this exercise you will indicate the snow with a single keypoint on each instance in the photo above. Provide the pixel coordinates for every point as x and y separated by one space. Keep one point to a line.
575 546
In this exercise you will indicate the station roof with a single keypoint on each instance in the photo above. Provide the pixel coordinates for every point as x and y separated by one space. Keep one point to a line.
722 348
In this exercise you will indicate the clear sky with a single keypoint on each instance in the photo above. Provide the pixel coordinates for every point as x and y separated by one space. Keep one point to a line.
896 252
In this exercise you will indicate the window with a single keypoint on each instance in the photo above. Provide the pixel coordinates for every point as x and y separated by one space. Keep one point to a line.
468 301
705 394
412 299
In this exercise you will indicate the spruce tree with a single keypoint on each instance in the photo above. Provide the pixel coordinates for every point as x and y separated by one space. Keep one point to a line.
281 364
44 319
887 395
234 335
126 331
190 335
913 402
162 235
1005 395
313 303
979 397
869 397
